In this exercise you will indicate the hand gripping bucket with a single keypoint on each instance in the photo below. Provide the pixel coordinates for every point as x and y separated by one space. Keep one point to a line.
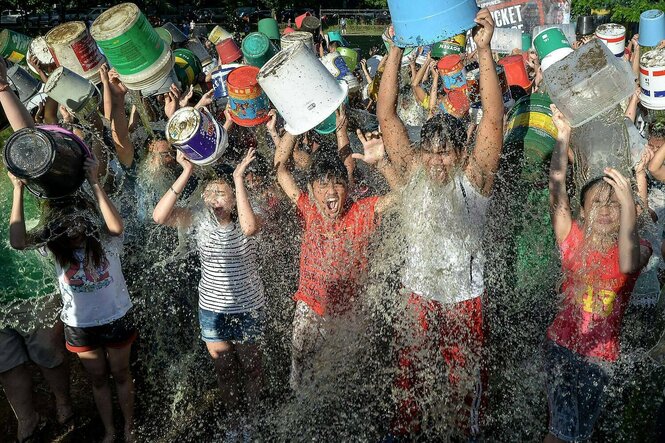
551 46
218 35
307 101
269 28
614 36
219 76
652 27
294 37
350 57
515 71
530 123
48 158
452 72
652 79
505 40
176 34
427 22
197 134
23 83
228 51
197 48
257 49
248 104
14 46
74 92
73 47
39 49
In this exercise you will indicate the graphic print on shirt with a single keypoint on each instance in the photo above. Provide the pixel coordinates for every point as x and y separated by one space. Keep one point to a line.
599 302
82 279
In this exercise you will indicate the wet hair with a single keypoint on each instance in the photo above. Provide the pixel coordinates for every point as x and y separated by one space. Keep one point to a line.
655 130
587 187
326 164
443 128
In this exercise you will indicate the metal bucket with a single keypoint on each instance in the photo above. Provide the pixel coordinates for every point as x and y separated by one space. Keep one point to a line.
72 47
76 93
197 134
23 83
13 45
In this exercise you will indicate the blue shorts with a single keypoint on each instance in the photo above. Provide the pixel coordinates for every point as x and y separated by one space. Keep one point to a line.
246 327
575 389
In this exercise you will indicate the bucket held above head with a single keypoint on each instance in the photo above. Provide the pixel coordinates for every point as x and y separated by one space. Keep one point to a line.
652 27
294 37
74 92
218 35
176 34
25 85
73 47
197 134
614 36
248 104
652 79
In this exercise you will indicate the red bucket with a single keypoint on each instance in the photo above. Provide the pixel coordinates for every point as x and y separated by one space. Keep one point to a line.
248 104
452 72
515 71
228 51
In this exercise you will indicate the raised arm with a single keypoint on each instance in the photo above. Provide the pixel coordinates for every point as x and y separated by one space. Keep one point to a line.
112 218
284 176
395 136
656 166
18 238
114 104
489 141
165 213
562 219
434 92
344 143
17 115
417 80
250 223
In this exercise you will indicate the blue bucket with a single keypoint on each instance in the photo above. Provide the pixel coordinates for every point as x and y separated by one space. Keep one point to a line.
652 27
427 22
327 126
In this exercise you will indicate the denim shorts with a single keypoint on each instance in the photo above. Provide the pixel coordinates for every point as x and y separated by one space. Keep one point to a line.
575 392
246 327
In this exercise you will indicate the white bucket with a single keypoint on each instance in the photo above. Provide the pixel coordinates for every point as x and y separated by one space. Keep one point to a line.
568 30
39 49
614 36
76 93
301 88
554 57
218 34
162 85
154 76
652 79
290 39
72 47
505 40
194 45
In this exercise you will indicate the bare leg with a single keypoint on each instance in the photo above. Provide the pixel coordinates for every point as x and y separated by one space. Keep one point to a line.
226 366
549 438
58 377
18 389
119 362
94 363
249 357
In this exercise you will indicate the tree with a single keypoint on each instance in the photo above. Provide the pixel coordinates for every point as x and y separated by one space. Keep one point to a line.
621 11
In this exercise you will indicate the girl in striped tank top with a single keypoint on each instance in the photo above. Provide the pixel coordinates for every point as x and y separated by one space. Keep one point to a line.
231 294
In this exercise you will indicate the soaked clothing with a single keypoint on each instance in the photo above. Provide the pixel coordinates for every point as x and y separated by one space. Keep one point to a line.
596 294
334 254
94 295
307 340
243 328
117 335
42 346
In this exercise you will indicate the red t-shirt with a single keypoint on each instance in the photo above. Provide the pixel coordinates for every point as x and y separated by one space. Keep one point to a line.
333 255
596 294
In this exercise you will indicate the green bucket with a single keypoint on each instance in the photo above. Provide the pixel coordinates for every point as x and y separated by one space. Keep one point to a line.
550 40
530 123
164 35
442 49
526 42
270 28
350 56
257 49
187 67
14 46
127 39
327 126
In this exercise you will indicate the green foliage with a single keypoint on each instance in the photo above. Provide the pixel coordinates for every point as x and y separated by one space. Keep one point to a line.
622 11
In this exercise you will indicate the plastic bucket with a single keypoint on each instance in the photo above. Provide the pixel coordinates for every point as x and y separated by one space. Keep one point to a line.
76 93
162 85
300 19
554 57
248 104
13 45
515 71
473 88
652 27
130 44
228 51
530 122
187 67
350 57
73 47
176 34
48 158
294 37
288 30
614 36
23 83
568 30
456 103
428 22
505 40
269 28
39 49
307 101
218 35
526 42
257 49
336 36
219 80
199 51
452 72
442 49
586 25
310 24
336 65
550 41
197 134
652 79
327 126
164 35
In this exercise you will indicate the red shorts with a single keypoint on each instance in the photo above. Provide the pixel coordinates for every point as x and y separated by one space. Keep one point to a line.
456 332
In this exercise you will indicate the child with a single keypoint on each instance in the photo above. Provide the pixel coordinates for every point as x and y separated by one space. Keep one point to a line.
601 259
94 295
337 232
231 296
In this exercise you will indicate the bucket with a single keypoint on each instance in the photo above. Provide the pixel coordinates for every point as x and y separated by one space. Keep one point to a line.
336 36
163 85
248 104
422 57
73 47
428 22
257 49
505 40
219 76
195 45
300 19
288 30
442 49
456 103
177 35
452 72
228 51
473 88
551 41
515 71
336 65
48 158
327 126
586 25
23 83
526 42
197 134
164 35
310 24
652 27
39 49
567 29
614 36
292 38
218 35
350 57
652 79
187 67
76 93
13 46
269 28
307 101
130 44
530 122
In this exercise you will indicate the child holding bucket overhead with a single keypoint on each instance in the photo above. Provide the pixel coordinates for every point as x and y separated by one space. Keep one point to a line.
231 295
602 256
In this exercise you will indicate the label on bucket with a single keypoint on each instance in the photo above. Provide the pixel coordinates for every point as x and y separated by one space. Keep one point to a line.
219 81
533 120
193 133
15 57
86 52
454 80
134 50
249 108
16 45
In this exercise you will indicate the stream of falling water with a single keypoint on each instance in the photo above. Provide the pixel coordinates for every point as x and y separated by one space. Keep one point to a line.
135 99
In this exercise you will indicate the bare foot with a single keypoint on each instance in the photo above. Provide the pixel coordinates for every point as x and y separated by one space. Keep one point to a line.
64 412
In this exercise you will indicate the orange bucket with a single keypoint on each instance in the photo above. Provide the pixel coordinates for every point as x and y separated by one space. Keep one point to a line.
248 104
515 71
452 72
